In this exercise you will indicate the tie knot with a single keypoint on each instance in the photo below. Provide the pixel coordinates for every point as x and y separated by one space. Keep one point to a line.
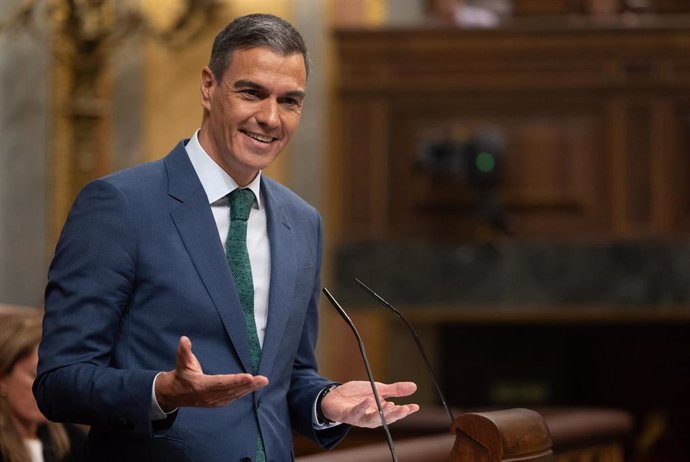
241 201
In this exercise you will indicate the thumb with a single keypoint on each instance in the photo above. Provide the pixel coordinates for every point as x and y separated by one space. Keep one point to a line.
396 390
185 358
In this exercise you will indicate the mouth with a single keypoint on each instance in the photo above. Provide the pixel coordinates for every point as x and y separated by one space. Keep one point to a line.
259 137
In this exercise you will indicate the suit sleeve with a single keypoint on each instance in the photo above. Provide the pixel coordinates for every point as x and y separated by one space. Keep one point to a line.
306 384
90 283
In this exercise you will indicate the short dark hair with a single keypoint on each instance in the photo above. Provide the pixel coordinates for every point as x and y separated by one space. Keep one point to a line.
255 30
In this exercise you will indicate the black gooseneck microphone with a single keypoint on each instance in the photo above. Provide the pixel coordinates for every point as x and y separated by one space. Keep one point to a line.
360 343
416 339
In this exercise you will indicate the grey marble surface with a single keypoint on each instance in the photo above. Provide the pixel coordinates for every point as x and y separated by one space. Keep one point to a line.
24 156
26 147
630 273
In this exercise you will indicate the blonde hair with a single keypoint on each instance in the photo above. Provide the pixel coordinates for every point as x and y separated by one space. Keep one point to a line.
20 333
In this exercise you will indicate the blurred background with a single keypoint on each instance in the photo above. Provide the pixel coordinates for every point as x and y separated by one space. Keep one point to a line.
512 175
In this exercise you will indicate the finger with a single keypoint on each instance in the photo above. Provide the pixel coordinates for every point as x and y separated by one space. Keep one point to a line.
399 412
258 381
246 389
241 392
371 418
252 384
387 406
219 390
396 390
231 386
185 358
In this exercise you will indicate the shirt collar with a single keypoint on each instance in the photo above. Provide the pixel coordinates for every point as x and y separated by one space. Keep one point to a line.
216 182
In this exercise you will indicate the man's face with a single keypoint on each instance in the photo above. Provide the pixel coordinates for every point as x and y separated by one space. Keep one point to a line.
253 112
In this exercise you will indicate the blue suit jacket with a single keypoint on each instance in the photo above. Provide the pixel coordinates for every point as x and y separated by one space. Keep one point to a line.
138 264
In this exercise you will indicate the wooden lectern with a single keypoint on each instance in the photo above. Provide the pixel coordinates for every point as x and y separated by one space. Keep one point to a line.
501 436
513 435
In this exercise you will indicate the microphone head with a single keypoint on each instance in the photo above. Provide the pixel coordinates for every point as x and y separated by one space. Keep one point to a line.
337 306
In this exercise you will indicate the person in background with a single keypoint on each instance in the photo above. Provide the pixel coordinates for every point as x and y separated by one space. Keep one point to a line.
469 13
25 434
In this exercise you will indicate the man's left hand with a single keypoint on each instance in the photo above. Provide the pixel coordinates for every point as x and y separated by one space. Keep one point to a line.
353 403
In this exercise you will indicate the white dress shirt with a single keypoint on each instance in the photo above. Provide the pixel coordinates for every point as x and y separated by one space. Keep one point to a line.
35 448
217 185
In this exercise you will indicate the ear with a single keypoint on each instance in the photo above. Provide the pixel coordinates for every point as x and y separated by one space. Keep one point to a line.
208 85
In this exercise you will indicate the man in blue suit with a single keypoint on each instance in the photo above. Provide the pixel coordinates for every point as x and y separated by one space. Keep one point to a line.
149 260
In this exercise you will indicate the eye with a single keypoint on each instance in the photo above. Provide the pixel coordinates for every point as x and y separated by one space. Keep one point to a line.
250 93
290 103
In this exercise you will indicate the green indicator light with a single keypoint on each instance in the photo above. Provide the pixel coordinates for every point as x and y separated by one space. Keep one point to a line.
485 162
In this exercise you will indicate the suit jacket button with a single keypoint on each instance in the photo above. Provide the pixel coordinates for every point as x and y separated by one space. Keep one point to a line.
245 459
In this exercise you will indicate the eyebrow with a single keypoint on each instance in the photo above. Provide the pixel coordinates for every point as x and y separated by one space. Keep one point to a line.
249 84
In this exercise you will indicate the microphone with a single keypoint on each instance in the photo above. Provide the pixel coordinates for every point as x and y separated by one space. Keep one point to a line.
360 343
417 341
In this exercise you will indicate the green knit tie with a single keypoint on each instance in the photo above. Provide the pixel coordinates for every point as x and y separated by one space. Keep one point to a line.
241 201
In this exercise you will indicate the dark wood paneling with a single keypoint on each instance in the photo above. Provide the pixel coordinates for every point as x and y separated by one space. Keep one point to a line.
563 7
594 120
683 163
552 177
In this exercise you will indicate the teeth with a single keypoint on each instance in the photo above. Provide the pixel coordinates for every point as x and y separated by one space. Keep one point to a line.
262 138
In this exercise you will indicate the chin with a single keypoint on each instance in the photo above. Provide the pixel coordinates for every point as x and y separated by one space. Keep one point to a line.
39 419
259 163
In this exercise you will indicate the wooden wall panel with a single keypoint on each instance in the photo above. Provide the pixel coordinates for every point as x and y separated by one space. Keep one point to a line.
682 165
637 178
363 168
563 7
594 118
553 175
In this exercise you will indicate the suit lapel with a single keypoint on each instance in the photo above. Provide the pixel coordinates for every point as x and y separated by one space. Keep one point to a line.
283 275
192 216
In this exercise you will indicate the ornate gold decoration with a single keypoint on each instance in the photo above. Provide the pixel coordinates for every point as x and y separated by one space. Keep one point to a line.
83 33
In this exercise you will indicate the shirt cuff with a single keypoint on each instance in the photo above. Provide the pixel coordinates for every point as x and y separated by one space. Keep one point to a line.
317 424
156 412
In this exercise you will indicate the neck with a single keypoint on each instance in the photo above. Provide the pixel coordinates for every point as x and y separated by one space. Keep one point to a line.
239 174
27 430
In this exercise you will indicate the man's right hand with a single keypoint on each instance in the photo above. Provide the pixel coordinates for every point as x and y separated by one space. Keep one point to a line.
187 385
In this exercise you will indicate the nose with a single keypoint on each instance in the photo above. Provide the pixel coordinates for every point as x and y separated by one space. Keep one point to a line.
267 115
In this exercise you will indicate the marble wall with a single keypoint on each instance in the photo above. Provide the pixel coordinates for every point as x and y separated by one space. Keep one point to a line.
24 157
635 273
26 241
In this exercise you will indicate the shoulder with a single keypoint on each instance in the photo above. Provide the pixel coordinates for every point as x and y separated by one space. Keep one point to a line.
141 182
123 192
152 174
144 176
281 196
